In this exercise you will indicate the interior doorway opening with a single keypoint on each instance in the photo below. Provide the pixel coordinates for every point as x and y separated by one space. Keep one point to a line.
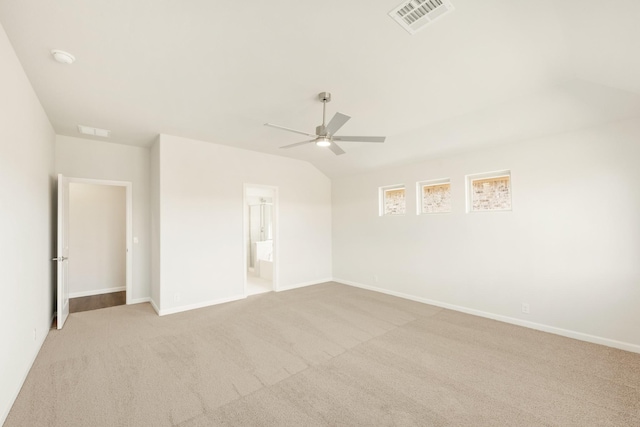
260 242
94 258
97 246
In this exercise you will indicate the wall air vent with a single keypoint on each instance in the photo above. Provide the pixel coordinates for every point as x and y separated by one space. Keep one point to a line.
414 15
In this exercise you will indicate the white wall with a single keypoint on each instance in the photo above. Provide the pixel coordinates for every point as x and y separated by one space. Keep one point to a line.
570 248
97 239
26 219
201 208
84 158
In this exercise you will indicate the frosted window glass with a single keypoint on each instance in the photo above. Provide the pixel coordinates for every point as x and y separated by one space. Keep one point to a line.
436 198
394 201
491 194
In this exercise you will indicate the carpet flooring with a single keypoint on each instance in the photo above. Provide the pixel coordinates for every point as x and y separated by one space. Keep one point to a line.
325 355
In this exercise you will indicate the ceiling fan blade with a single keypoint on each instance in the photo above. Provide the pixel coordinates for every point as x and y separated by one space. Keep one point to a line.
290 130
297 143
336 149
337 122
360 138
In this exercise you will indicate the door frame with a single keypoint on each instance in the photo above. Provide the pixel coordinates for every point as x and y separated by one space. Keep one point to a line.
129 222
276 233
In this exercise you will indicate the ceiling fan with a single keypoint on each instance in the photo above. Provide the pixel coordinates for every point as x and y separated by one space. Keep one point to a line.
325 134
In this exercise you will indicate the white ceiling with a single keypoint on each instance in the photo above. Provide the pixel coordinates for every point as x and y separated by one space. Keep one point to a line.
493 71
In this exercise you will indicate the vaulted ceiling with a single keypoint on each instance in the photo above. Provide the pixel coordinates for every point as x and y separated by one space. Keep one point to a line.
493 71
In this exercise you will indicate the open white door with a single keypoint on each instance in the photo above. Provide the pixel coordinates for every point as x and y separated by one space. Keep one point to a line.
63 250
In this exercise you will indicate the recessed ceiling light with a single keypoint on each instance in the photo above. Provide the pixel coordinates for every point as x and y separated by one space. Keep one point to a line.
63 57
88 130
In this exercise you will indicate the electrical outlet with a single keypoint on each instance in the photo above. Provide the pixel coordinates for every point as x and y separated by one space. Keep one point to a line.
35 334
176 297
375 278
525 308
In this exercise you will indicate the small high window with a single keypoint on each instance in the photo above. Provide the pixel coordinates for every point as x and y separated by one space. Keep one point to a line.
392 200
489 192
434 196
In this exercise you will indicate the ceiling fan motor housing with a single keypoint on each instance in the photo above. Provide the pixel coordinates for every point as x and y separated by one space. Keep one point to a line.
321 130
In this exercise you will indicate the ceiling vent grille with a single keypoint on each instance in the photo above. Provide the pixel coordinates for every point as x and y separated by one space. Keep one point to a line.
414 15
88 130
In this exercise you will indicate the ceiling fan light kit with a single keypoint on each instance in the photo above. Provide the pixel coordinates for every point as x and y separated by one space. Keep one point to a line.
324 136
323 142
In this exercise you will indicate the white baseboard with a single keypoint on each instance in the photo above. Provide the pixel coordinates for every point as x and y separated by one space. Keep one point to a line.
139 300
96 292
512 320
14 395
197 305
164 312
155 306
304 284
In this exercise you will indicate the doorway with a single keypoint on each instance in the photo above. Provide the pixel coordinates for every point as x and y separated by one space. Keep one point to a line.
97 246
260 242
94 241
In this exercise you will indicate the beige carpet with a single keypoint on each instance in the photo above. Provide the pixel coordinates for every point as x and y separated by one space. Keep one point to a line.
322 355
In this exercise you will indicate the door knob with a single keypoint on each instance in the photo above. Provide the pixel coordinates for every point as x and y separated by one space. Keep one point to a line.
62 258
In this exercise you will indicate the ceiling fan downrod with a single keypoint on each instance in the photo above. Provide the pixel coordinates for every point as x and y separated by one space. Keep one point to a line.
324 98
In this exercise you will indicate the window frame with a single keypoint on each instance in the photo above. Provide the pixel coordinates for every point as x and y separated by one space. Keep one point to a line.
470 179
382 198
420 195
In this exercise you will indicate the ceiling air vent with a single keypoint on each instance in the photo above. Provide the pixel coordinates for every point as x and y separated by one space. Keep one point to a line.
414 15
88 130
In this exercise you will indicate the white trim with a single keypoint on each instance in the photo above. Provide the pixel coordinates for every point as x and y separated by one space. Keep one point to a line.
13 396
97 292
382 192
506 319
469 179
140 300
198 305
155 307
304 284
420 195
129 223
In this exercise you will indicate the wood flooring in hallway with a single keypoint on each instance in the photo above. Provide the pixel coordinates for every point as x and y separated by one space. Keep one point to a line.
95 302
